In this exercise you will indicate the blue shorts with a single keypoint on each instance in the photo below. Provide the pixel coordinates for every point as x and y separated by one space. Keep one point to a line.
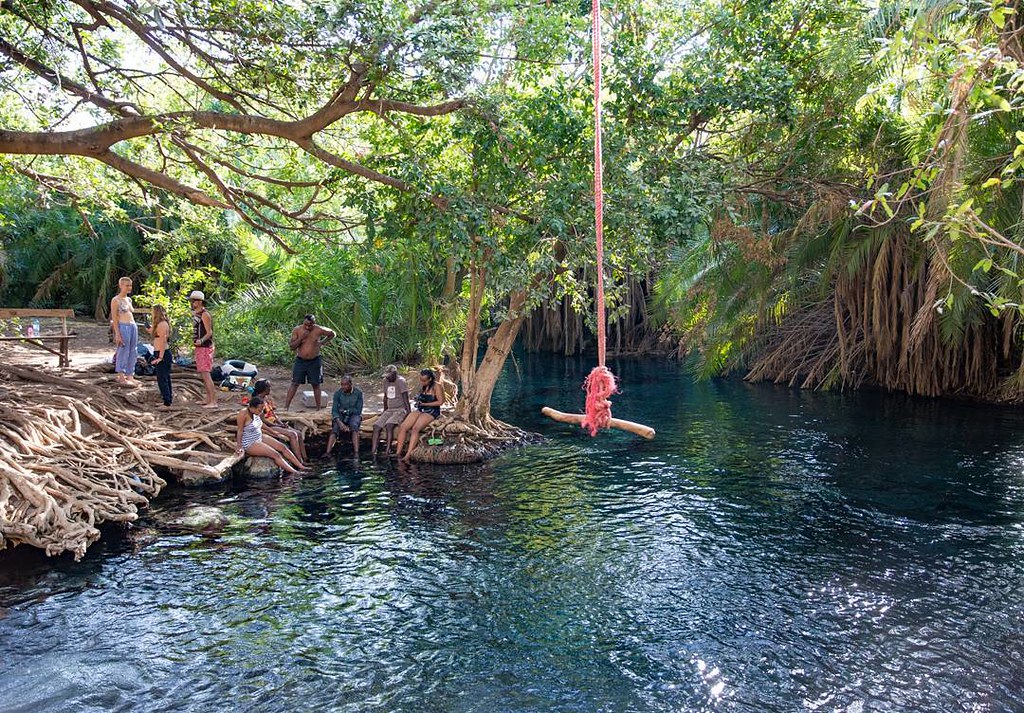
308 371
354 421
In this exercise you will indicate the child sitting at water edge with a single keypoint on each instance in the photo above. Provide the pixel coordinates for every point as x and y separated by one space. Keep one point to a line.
249 439
275 426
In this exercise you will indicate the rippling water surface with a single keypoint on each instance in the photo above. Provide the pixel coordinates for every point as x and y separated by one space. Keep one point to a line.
771 551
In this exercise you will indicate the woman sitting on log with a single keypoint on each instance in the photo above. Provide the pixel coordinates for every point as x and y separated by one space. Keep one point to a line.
275 426
250 440
428 407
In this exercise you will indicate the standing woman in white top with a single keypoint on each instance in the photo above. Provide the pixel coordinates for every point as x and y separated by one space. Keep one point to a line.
126 333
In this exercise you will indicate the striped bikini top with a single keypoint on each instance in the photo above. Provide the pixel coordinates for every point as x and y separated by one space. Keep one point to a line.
253 431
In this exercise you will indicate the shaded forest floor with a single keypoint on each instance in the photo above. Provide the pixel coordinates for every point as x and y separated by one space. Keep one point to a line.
92 350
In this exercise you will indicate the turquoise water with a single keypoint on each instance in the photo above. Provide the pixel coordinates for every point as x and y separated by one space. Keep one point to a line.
771 550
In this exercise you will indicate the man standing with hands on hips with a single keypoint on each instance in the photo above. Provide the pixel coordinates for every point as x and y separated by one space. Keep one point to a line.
306 341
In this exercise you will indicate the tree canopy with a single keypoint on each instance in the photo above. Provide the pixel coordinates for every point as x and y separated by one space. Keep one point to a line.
821 193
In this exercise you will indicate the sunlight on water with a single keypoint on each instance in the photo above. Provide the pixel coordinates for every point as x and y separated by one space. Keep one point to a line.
771 550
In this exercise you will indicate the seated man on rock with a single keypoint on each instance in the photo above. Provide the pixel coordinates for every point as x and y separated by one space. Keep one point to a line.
346 414
396 408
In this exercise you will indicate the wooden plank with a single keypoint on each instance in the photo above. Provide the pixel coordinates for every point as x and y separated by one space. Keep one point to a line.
34 343
61 352
41 337
9 313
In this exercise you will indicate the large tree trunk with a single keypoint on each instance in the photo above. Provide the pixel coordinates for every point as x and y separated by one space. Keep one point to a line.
470 434
475 404
470 344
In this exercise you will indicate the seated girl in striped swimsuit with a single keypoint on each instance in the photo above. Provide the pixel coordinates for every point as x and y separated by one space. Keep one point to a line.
251 440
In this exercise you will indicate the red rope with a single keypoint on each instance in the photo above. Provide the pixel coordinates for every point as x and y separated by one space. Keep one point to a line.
600 384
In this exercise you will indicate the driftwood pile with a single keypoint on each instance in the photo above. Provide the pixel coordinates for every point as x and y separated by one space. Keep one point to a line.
76 450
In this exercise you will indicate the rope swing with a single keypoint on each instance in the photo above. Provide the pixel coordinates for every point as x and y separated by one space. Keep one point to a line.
600 383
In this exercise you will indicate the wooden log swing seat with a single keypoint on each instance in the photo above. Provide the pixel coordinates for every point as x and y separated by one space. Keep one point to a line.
576 419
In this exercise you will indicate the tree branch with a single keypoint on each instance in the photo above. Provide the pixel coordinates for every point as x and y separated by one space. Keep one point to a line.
105 8
66 85
160 180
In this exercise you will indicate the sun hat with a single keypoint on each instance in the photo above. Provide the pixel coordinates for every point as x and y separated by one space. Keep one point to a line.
197 295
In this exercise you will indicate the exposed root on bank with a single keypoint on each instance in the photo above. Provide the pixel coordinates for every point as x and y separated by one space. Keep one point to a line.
76 451
464 442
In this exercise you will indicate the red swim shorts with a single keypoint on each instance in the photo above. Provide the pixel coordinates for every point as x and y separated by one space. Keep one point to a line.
204 359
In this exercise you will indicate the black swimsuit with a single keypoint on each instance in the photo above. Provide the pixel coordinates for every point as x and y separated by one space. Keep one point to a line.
434 411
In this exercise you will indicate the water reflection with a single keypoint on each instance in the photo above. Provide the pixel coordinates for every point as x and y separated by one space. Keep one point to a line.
772 550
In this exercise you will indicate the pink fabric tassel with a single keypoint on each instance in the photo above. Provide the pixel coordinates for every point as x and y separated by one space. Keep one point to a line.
600 385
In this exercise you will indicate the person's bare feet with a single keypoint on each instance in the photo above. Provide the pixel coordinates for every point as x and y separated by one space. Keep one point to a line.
208 405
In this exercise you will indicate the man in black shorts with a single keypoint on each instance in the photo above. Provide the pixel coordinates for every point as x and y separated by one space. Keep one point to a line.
306 341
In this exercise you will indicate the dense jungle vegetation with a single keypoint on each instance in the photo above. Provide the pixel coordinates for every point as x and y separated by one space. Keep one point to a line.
817 193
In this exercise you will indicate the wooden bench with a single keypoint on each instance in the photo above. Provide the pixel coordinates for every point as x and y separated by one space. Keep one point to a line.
62 339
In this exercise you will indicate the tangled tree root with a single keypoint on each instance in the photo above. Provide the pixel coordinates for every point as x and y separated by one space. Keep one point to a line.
76 451
465 442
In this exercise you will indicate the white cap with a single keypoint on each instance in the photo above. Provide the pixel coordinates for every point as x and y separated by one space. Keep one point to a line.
197 295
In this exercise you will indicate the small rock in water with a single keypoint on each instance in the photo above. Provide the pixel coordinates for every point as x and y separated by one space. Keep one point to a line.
141 536
261 468
201 517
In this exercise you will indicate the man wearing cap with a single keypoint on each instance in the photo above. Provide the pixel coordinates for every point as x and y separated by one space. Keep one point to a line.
202 339
396 408
306 341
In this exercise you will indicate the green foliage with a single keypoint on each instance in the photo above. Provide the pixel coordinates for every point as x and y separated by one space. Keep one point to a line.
757 154
383 305
55 254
